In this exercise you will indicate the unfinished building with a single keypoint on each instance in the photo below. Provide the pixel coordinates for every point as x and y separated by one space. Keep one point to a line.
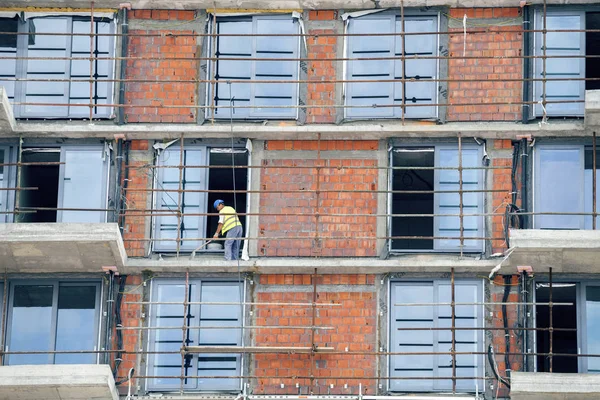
416 181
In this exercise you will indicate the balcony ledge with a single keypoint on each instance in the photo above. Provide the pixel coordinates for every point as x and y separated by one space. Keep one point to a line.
565 251
545 386
57 382
60 247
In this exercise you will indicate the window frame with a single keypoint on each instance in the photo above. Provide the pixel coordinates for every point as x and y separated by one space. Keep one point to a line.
57 284
480 321
481 200
157 246
20 87
396 112
537 64
252 113
151 334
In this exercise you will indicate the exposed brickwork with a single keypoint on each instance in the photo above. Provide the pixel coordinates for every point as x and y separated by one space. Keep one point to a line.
496 41
345 187
130 316
354 328
149 99
135 224
501 181
321 48
498 341
322 15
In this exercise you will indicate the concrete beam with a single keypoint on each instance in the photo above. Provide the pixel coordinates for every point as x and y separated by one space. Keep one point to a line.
565 251
545 386
592 109
282 4
7 119
272 265
57 382
60 247
278 130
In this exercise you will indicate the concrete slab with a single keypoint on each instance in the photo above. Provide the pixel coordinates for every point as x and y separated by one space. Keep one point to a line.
282 4
60 247
592 109
544 386
57 382
566 251
427 263
289 130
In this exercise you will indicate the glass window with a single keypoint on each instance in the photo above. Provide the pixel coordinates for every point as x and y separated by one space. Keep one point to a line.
382 99
201 187
592 309
203 367
403 340
255 58
66 318
421 172
70 77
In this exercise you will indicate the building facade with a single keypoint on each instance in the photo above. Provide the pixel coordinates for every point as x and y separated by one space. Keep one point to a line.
416 182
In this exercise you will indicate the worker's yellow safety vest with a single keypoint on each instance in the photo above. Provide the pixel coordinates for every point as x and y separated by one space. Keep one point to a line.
231 219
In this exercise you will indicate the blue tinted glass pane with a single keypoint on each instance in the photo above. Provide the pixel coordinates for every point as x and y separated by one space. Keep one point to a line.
592 304
31 303
76 324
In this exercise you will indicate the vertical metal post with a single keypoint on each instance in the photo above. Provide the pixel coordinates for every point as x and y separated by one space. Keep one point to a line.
180 193
544 58
186 311
17 215
460 196
453 349
213 70
594 181
403 58
92 60
312 332
4 308
551 326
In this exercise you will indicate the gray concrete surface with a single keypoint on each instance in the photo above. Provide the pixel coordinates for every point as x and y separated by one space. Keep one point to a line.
288 130
592 109
7 120
283 4
57 382
545 386
60 247
566 251
287 265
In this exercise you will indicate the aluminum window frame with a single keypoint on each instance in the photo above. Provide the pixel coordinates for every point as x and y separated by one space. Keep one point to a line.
481 199
435 282
19 111
151 334
57 284
252 113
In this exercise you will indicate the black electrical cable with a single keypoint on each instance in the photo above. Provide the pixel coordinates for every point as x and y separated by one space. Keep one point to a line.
507 287
511 219
119 333
492 361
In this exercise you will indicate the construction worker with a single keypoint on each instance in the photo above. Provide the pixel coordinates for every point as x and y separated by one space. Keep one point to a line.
231 227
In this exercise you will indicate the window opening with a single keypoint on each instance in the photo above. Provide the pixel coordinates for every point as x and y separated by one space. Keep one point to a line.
564 342
592 48
45 178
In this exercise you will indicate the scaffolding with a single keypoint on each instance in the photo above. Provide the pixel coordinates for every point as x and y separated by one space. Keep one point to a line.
311 383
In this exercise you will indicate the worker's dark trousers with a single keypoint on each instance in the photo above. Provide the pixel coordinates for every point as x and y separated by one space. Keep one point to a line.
232 243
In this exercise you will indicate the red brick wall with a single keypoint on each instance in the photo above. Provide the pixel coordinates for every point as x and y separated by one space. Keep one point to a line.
147 100
500 181
130 317
321 48
134 227
498 341
354 328
334 178
497 41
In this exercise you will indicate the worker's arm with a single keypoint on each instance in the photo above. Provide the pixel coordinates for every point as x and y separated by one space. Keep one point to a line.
216 235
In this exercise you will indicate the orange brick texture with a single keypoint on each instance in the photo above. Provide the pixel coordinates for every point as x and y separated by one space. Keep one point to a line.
344 187
157 98
131 315
500 181
134 227
498 341
354 328
479 88
322 49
